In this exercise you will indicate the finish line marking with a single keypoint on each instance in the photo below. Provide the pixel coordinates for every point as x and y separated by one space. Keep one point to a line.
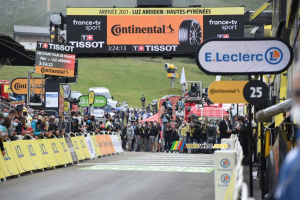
150 168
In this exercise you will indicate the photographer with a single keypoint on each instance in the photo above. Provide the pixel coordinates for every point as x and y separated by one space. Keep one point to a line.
197 131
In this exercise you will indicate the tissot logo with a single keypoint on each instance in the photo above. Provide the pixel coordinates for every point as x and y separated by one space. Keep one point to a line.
87 37
118 30
45 45
55 47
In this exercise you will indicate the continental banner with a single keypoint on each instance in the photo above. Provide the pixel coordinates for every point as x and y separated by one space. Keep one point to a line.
150 30
19 85
227 91
110 144
102 144
54 71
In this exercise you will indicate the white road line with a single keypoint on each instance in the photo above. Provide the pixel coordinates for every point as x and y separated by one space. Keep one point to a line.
179 165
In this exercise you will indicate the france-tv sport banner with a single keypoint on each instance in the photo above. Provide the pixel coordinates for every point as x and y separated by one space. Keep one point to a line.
150 30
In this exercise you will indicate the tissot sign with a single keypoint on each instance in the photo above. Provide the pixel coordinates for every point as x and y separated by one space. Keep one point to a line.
244 56
150 30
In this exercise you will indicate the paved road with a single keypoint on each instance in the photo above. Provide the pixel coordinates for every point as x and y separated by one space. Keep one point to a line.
132 176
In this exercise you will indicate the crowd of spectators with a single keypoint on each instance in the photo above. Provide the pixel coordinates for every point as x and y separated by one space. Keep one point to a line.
25 123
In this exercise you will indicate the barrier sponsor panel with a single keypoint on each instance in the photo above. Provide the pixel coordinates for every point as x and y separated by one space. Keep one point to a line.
64 148
1 171
34 153
71 149
116 143
90 146
8 161
102 144
23 161
58 154
110 146
83 147
97 149
47 154
230 143
177 146
77 148
225 162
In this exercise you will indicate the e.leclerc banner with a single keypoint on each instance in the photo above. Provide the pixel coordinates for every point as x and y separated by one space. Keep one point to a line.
244 56
100 101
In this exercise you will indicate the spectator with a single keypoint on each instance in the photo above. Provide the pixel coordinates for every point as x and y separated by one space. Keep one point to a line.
137 136
52 126
35 126
168 136
5 112
225 127
129 135
143 101
158 139
180 104
42 112
179 112
244 131
132 117
153 132
165 118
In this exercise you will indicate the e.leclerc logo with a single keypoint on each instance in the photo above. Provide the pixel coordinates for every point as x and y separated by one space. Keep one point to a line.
225 163
273 56
228 146
225 178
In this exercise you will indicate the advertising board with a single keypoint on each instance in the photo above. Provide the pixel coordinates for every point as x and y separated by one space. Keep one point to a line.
150 30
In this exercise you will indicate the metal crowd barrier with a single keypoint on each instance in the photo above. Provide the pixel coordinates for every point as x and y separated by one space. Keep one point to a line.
22 156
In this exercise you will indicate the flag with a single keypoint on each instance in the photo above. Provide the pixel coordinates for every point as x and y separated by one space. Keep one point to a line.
218 78
182 77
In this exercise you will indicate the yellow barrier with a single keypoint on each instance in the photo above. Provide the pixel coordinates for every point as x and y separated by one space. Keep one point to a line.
97 149
22 156
34 153
27 155
8 162
65 150
83 146
1 171
58 154
77 148
48 156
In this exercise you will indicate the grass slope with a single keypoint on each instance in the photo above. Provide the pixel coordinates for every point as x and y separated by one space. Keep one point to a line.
127 78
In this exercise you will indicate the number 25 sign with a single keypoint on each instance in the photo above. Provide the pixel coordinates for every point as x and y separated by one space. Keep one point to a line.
250 92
